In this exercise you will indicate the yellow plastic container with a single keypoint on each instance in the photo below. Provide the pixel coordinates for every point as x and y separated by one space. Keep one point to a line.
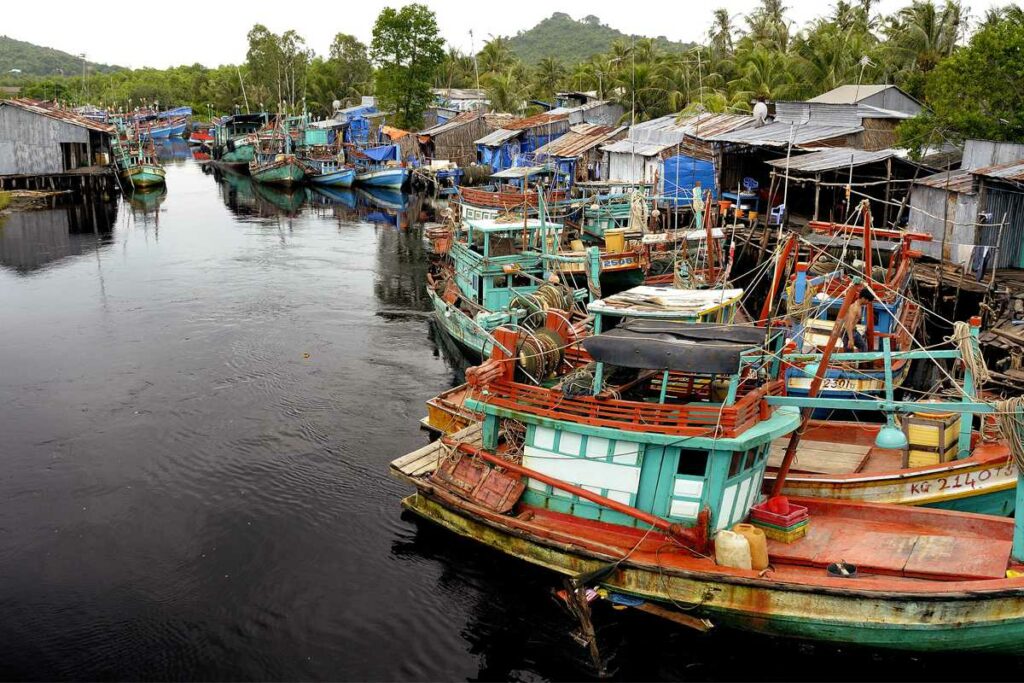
758 545
786 536
615 240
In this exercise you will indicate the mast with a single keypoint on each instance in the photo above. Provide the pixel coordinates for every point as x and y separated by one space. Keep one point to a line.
868 268
819 376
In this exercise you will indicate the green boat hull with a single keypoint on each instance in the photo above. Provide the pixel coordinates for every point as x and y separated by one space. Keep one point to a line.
144 176
240 155
286 173
990 621
998 503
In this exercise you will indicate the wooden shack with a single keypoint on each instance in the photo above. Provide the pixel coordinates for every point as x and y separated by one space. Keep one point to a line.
40 139
454 140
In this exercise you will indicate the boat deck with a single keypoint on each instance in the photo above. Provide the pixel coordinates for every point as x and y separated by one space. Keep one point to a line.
423 461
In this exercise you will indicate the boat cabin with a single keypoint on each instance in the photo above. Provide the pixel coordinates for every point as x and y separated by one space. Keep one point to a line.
666 303
668 420
238 126
496 261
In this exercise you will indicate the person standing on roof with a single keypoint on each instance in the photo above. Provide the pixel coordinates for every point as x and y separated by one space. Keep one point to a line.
760 112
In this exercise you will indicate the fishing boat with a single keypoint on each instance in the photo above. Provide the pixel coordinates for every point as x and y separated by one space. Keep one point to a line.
200 137
377 175
330 172
136 163
235 139
274 162
629 479
162 129
838 252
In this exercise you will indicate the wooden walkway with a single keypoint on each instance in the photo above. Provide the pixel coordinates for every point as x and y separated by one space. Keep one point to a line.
423 461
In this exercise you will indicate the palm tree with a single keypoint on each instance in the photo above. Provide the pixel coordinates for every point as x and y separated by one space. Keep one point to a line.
922 34
496 56
548 76
720 34
763 72
506 91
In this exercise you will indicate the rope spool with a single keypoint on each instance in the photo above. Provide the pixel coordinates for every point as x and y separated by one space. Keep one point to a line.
547 297
539 353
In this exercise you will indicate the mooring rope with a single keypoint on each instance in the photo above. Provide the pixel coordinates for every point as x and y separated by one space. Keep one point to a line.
970 352
1010 417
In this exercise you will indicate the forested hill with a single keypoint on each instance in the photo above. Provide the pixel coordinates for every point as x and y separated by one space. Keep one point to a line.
562 37
35 60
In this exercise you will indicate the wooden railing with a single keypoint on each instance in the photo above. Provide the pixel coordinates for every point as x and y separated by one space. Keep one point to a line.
693 419
505 200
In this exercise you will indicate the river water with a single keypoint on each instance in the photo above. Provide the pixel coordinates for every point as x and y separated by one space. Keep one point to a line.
200 392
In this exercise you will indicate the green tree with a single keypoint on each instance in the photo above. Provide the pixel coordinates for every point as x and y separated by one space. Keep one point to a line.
976 92
350 67
548 76
408 51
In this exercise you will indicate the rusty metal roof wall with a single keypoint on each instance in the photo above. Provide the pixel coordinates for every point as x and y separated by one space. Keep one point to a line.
454 122
777 134
1013 170
832 159
961 180
536 120
580 139
670 130
497 137
44 109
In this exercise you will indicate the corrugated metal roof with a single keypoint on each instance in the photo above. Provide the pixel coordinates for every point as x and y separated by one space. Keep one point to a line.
453 123
578 140
868 111
849 94
522 171
832 159
982 153
670 130
778 134
49 111
536 120
1013 170
497 137
644 149
956 181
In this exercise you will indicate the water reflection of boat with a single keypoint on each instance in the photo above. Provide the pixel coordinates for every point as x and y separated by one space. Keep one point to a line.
147 200
384 198
334 195
172 149
288 200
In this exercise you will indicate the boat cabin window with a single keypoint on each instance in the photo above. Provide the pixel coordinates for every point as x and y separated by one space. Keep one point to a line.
692 462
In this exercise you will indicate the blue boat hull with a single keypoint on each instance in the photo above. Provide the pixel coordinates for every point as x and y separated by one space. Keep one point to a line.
388 177
342 178
175 131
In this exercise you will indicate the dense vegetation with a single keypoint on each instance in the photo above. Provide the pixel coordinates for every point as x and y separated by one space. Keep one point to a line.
563 38
967 72
33 60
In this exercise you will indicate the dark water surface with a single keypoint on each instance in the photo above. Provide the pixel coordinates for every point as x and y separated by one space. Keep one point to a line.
200 392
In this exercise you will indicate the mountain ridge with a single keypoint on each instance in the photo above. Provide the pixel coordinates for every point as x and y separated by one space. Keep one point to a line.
573 41
36 60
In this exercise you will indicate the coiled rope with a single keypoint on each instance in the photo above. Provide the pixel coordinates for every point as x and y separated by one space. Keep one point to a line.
970 352
638 211
1010 417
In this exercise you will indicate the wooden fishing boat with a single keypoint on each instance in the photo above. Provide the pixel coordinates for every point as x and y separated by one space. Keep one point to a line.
277 169
136 164
375 175
163 129
813 301
628 483
330 172
235 139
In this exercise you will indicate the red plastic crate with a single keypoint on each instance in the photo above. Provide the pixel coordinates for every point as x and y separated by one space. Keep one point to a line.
796 514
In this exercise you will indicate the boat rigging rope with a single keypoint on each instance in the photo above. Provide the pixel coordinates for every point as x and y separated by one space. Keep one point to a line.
970 352
638 211
1010 417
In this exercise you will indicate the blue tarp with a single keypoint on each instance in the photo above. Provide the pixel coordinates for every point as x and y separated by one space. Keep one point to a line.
383 153
680 175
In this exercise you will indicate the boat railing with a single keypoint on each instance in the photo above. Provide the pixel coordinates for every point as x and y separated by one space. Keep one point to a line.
676 419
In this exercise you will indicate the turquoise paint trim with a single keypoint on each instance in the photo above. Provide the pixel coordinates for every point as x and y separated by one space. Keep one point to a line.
782 422
719 473
1018 526
997 503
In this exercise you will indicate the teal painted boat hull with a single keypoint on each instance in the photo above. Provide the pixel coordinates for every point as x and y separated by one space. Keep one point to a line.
459 329
242 154
288 171
388 177
144 176
997 503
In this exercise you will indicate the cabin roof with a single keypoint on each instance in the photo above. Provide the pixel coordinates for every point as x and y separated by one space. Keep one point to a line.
664 302
707 349
497 137
523 171
453 123
489 225
833 159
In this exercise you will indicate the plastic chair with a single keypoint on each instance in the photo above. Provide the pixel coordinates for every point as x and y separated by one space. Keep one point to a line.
776 214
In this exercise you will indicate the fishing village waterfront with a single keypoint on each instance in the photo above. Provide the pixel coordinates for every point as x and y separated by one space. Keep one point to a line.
695 361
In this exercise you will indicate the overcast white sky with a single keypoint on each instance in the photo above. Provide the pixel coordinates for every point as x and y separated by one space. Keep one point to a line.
213 32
